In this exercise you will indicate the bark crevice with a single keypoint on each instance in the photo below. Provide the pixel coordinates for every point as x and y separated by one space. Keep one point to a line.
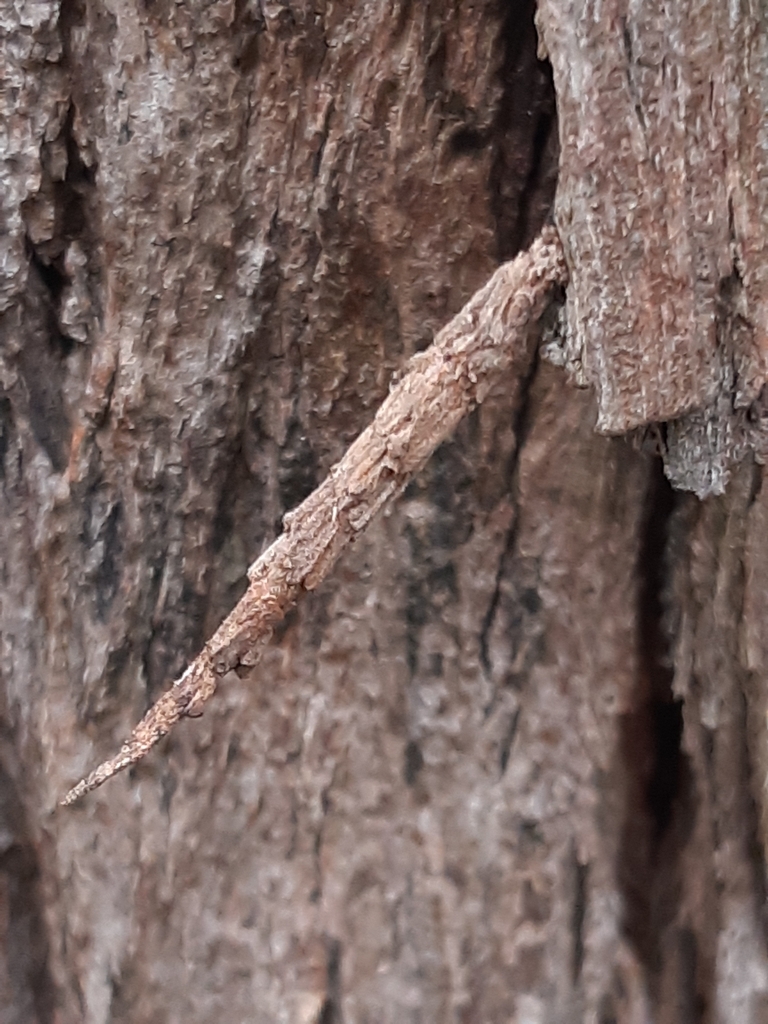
523 172
659 793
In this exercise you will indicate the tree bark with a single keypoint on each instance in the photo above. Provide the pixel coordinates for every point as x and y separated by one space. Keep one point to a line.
508 762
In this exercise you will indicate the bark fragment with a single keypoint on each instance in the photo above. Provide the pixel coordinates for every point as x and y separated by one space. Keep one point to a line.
663 208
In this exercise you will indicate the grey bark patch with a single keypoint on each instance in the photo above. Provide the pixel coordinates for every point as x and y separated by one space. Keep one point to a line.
27 991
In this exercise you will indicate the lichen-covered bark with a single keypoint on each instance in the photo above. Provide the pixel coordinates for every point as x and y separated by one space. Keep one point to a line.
507 763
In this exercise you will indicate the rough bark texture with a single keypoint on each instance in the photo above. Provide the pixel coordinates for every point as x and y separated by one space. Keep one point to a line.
508 762
663 206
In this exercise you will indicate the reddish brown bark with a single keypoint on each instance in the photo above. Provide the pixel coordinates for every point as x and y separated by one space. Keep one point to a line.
508 762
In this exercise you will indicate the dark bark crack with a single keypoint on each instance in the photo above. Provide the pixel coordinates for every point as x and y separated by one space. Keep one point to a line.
578 915
522 425
330 1012
524 134
659 795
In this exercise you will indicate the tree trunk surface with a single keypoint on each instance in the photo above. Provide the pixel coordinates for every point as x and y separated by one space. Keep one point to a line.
508 763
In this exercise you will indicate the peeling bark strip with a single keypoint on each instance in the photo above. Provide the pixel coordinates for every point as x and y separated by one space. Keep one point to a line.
491 336
662 203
